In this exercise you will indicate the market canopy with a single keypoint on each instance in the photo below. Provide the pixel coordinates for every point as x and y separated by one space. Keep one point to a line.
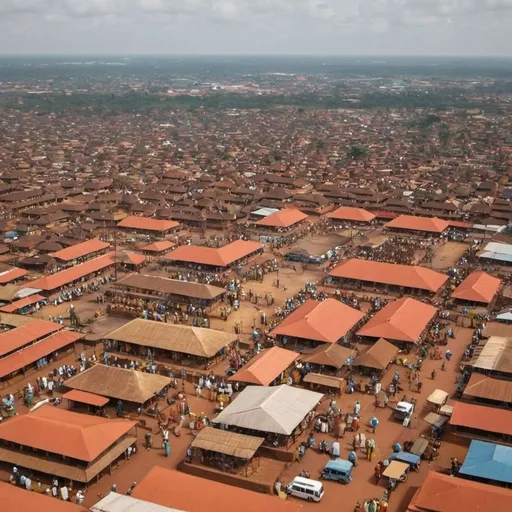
84 397
278 409
228 443
378 356
489 461
120 383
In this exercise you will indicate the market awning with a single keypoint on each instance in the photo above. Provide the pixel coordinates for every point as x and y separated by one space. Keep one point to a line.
84 397
228 443
436 420
325 380
438 397
396 469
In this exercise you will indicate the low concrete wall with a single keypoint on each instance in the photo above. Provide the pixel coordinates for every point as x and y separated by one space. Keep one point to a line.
225 478
276 454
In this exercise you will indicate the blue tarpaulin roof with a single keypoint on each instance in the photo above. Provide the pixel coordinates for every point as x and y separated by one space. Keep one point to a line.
488 460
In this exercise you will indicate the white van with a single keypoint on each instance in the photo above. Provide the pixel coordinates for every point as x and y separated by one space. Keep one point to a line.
305 488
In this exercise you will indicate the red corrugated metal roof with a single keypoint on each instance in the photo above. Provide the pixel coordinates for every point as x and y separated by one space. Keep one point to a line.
196 494
12 274
283 218
400 320
33 353
79 250
144 223
220 257
389 273
351 214
488 419
458 224
412 223
265 367
325 321
477 287
25 334
17 499
443 493
164 245
85 397
54 281
58 431
21 303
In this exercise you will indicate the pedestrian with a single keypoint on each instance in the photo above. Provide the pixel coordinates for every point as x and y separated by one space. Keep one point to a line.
357 408
374 422
149 440
167 448
378 471
433 374
352 457
443 366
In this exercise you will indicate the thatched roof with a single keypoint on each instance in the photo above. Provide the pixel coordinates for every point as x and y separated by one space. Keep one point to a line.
229 443
184 339
329 355
120 383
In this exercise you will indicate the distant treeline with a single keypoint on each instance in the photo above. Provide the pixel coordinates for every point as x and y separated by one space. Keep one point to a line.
140 102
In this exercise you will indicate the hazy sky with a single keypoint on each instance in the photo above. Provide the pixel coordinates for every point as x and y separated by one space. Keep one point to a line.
475 27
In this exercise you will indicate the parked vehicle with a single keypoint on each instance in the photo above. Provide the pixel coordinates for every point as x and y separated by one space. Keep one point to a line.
339 470
413 460
403 410
305 488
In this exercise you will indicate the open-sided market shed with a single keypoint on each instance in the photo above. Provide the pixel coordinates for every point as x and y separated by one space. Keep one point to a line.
279 413
314 322
402 321
266 368
488 462
226 450
64 444
378 357
494 358
332 357
119 383
169 342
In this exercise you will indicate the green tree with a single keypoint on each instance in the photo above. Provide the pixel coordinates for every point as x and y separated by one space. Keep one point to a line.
357 152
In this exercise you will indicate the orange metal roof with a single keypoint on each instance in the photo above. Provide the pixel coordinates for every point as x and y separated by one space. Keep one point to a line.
458 224
283 218
164 245
265 367
21 303
389 273
326 321
58 431
25 334
444 493
488 419
477 287
54 281
85 397
134 222
129 257
12 274
18 499
196 494
353 214
412 223
33 353
79 250
400 320
221 257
